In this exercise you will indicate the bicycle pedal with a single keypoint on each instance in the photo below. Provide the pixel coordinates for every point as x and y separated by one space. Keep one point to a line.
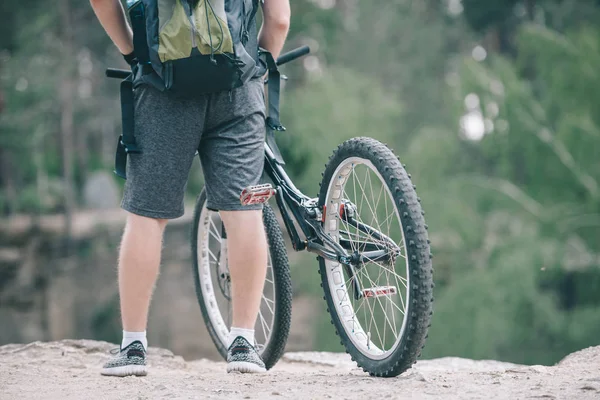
257 194
379 291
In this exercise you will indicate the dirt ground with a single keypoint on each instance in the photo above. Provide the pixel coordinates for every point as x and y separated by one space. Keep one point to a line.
70 369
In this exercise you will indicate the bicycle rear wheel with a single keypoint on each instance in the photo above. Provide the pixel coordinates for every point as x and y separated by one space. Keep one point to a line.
211 278
382 306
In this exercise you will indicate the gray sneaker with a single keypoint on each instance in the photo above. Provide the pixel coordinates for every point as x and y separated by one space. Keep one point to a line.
243 357
128 361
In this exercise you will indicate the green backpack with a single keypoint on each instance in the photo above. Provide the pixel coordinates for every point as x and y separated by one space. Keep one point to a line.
195 46
191 47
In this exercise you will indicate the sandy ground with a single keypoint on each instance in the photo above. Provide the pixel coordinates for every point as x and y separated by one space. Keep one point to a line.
70 369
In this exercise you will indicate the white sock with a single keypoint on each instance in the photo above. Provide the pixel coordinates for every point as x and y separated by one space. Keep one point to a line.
247 334
130 337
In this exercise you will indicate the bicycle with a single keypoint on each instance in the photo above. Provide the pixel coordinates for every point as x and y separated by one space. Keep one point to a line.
358 255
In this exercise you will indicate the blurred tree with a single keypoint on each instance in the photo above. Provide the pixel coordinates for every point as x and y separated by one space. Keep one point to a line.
534 263
67 115
55 55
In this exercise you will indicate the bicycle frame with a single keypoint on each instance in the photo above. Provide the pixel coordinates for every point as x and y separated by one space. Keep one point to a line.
307 214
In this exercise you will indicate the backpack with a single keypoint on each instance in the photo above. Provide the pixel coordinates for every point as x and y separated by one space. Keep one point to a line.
195 46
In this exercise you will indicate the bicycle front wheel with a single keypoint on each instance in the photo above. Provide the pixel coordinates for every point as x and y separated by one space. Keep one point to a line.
381 307
212 281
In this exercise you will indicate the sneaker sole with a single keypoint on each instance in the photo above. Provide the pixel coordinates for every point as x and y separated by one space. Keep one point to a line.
245 367
126 370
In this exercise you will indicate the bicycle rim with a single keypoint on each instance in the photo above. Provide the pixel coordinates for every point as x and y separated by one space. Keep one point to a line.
376 322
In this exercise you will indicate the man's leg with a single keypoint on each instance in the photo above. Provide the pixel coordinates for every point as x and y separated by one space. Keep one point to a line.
247 260
168 131
139 261
232 155
247 256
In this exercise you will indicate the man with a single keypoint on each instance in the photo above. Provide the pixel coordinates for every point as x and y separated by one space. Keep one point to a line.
227 128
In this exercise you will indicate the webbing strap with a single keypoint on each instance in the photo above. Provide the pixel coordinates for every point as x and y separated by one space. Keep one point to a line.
127 142
274 89
273 123
138 26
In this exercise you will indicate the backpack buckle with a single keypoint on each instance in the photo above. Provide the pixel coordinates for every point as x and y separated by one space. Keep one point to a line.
275 125
130 148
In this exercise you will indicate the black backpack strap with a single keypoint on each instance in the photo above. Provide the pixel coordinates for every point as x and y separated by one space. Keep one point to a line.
137 15
274 87
127 142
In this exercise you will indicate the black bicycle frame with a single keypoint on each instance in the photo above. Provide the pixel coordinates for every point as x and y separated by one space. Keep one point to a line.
307 214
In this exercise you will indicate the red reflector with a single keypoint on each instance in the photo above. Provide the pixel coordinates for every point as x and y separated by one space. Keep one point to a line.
379 291
324 213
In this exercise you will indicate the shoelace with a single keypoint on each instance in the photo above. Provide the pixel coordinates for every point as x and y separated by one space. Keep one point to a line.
115 351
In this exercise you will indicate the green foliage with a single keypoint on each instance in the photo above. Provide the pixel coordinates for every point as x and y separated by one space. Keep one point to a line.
513 297
328 110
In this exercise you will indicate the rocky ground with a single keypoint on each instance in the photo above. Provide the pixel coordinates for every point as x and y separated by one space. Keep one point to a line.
70 369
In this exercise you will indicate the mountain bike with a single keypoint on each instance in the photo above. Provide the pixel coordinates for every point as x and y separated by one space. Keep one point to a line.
368 231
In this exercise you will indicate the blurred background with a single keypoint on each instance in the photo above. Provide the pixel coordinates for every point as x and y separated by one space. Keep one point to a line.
493 106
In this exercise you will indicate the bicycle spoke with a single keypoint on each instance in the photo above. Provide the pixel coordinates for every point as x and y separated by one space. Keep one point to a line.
375 206
267 303
381 305
363 194
373 320
389 223
403 281
387 274
210 231
212 255
357 216
374 283
264 324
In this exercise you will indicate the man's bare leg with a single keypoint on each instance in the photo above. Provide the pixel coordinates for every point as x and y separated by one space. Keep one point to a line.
247 257
247 246
139 262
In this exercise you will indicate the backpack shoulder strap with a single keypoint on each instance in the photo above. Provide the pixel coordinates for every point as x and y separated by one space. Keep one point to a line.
126 142
274 88
137 16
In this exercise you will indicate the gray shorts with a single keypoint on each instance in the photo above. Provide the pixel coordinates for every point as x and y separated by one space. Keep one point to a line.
227 129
